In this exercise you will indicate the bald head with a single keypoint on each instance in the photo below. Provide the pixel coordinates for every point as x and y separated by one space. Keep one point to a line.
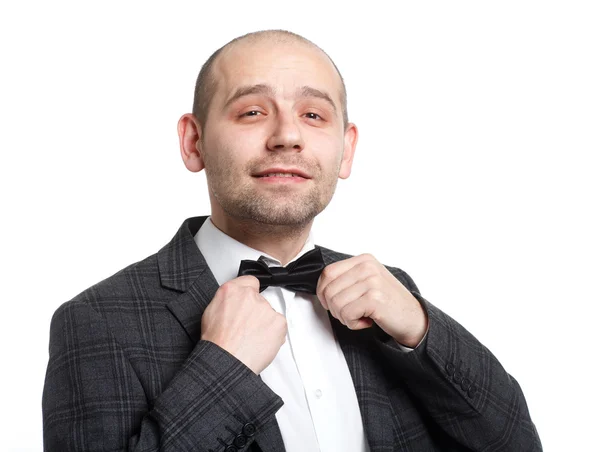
206 82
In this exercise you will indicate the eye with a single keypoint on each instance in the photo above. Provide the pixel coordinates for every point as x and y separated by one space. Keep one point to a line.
252 113
313 116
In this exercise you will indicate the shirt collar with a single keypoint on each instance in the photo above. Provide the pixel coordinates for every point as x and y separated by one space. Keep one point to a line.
223 253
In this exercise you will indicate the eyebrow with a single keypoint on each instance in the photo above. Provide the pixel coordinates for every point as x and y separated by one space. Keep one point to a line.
248 90
305 91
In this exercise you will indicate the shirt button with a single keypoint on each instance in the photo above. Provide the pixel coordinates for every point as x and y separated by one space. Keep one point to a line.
290 323
318 393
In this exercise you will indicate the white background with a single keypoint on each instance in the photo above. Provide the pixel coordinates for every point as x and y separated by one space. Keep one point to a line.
476 169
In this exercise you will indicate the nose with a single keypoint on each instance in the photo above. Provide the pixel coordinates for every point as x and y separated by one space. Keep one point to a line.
286 134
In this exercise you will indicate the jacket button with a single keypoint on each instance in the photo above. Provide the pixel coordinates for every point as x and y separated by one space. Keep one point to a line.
239 441
465 383
450 369
471 391
249 429
457 377
231 449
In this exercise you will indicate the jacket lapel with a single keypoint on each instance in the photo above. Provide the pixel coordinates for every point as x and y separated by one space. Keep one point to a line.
183 268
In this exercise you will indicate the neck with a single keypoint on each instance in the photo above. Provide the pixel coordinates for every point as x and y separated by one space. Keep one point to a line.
283 242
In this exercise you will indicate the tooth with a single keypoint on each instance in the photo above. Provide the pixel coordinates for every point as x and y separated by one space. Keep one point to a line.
281 175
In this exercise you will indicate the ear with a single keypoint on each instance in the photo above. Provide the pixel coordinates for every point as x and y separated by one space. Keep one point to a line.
350 140
190 145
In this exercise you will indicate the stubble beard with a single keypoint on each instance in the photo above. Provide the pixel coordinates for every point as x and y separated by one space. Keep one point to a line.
277 207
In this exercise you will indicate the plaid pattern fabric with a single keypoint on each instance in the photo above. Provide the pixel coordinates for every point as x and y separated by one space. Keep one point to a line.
127 372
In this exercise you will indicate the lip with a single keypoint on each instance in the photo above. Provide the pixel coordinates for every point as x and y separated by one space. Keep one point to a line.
281 179
283 170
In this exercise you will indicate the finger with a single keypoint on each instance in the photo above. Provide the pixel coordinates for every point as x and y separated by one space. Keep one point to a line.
347 295
248 281
356 315
361 324
333 271
359 274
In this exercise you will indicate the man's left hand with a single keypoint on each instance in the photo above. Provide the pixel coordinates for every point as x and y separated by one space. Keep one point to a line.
360 290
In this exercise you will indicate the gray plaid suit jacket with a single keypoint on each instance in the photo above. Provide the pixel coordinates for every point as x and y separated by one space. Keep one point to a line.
127 372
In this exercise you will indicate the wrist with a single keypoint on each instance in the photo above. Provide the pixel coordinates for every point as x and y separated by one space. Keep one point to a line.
420 326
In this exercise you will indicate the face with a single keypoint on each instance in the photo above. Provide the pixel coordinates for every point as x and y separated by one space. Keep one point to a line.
275 106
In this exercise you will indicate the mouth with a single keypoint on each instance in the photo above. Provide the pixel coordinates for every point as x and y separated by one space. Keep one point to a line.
281 178
281 172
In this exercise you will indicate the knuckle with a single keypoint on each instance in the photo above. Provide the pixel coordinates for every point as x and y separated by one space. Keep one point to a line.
345 314
327 293
374 294
282 320
224 293
369 266
372 280
226 287
334 300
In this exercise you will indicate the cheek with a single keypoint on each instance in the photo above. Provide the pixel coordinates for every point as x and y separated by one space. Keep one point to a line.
328 150
220 144
237 140
234 154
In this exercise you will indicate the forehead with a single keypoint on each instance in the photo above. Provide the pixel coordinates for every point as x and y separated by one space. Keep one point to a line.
286 66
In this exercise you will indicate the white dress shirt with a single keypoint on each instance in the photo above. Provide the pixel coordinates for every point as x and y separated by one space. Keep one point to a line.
320 411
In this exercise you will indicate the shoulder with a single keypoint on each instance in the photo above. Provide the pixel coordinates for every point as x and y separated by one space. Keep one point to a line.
137 282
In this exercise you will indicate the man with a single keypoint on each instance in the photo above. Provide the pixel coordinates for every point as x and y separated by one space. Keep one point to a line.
241 333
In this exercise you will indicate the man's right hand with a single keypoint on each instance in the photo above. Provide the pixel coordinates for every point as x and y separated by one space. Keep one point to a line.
241 321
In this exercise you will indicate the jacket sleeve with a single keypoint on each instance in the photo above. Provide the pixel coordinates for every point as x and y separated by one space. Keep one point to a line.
461 385
93 400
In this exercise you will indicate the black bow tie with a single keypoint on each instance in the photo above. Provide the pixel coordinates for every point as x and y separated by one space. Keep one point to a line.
300 275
